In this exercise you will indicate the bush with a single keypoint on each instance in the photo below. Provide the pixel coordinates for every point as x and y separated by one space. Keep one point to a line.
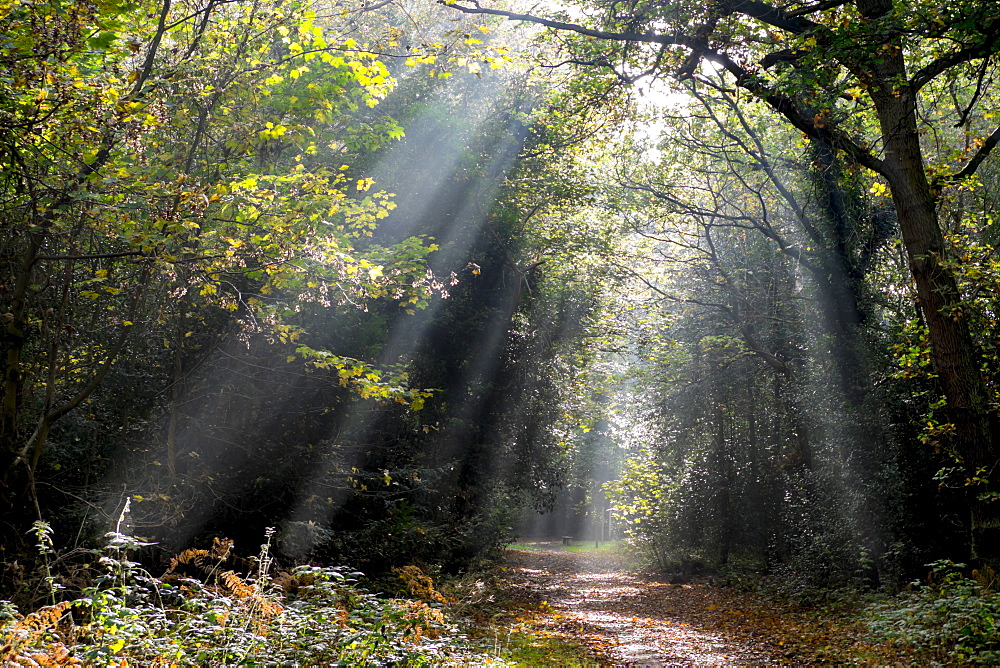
307 616
951 618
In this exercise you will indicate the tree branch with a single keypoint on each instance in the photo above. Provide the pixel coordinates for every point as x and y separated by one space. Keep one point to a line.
788 107
818 7
989 46
772 16
780 102
648 37
971 166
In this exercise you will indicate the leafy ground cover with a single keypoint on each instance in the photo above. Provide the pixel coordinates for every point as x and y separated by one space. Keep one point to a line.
202 612
949 619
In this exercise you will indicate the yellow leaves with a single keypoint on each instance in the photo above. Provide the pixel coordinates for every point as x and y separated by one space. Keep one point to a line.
880 190
413 61
287 333
471 65
272 131
365 184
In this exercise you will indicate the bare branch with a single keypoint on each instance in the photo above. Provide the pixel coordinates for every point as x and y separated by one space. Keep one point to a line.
94 256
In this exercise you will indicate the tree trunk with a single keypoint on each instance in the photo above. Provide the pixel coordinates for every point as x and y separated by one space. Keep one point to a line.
952 348
14 508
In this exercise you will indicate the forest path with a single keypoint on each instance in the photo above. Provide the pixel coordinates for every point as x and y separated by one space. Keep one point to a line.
626 619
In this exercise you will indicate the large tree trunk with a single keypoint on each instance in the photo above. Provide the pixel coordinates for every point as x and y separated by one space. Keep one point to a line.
953 352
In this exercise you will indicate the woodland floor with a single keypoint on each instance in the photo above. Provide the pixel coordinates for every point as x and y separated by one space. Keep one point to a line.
627 619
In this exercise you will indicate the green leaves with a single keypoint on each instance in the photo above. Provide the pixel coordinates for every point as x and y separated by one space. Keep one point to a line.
199 163
102 40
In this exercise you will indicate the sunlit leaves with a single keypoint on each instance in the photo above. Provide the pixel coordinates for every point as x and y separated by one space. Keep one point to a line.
368 381
186 160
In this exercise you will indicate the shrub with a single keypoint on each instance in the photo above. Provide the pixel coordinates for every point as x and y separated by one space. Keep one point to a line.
951 618
310 615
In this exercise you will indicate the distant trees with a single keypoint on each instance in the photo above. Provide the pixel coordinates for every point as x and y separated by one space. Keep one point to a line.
768 449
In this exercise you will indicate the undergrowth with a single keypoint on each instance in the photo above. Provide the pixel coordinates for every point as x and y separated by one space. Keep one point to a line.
202 612
205 612
949 619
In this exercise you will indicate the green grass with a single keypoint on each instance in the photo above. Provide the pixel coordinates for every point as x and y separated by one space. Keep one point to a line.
531 546
588 546
574 546
541 649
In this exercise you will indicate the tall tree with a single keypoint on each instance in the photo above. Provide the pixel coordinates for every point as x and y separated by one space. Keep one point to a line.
855 77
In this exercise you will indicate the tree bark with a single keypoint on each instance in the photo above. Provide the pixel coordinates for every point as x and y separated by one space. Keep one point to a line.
953 351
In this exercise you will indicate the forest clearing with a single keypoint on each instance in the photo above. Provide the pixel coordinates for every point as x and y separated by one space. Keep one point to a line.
310 308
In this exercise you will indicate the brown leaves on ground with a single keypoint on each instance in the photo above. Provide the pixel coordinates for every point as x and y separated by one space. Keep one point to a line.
628 619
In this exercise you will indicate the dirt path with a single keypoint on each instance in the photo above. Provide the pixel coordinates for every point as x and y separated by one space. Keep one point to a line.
627 620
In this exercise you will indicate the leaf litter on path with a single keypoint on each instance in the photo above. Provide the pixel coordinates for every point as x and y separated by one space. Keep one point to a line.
626 619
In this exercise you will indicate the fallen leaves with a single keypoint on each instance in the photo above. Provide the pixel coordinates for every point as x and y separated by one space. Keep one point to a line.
625 618
621 617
